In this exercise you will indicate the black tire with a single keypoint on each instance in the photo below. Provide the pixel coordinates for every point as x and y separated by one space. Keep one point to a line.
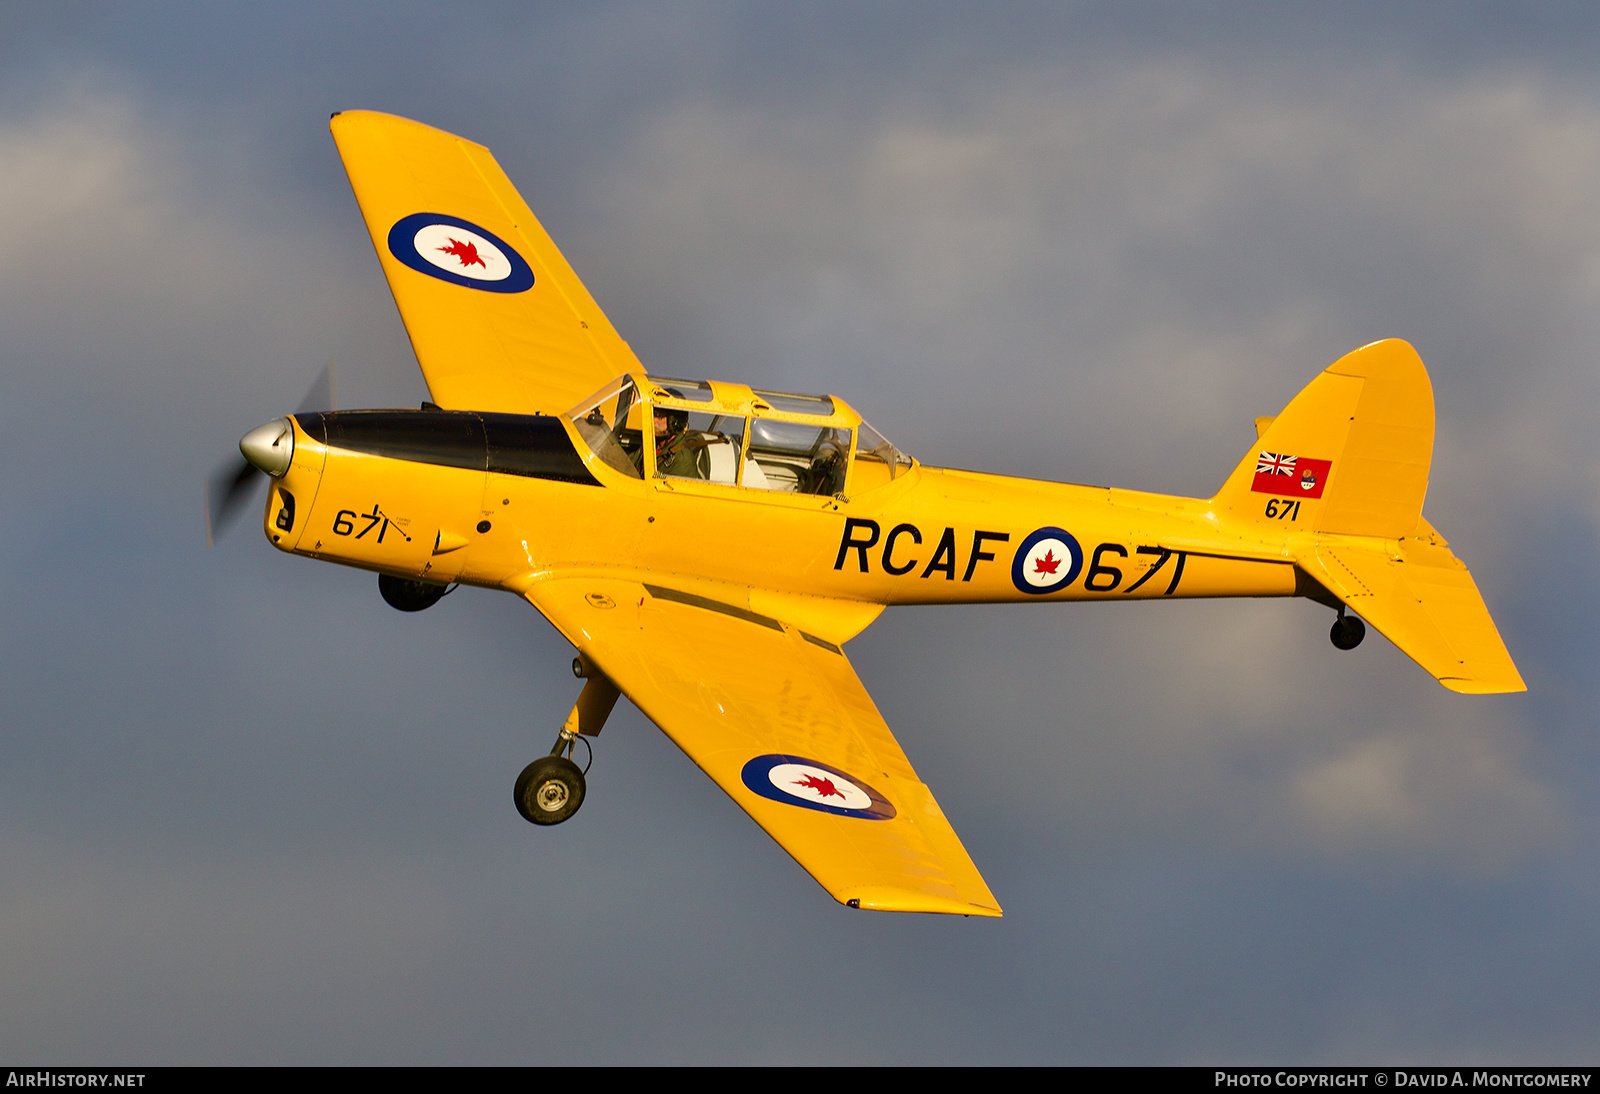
409 596
1347 632
549 790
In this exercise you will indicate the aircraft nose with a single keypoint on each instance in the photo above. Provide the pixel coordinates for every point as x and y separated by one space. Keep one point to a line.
270 447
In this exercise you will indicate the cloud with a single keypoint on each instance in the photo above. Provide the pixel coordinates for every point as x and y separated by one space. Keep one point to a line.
152 275
1416 792
185 935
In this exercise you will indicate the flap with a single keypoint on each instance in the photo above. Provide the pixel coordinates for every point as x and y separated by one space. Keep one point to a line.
778 719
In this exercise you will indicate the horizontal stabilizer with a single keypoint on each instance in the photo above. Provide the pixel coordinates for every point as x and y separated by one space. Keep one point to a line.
1426 603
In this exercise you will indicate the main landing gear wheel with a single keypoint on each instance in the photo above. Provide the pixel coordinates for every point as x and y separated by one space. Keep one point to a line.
410 596
1347 632
549 790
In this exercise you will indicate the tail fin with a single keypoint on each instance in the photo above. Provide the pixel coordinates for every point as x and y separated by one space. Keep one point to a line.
1352 449
1350 454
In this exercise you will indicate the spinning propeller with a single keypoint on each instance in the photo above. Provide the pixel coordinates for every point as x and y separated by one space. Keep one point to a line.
265 449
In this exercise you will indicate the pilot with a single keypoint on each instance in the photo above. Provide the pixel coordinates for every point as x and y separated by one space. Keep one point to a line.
679 451
826 473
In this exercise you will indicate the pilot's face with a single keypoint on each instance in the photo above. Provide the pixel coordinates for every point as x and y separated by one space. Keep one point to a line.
661 423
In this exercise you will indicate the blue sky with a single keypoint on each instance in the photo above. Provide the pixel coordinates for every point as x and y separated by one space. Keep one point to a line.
248 813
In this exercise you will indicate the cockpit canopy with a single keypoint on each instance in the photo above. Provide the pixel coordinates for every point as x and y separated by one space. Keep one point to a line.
644 426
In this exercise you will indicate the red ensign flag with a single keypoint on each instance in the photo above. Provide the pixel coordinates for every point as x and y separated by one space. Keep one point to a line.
1290 476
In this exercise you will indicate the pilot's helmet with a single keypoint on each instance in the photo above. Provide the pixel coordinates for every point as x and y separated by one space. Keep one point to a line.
677 420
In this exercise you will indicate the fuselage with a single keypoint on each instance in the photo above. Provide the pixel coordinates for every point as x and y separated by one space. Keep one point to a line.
501 500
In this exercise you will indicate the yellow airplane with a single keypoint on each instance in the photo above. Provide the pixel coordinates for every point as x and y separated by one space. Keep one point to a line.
709 547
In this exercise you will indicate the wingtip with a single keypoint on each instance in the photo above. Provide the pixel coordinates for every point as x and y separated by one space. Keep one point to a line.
893 899
1484 687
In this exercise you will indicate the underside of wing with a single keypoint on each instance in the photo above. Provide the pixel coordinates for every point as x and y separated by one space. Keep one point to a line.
497 317
778 719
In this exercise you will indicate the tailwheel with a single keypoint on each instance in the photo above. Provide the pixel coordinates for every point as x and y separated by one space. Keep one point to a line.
549 790
1347 632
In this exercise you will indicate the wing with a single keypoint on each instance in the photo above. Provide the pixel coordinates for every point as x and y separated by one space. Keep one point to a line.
779 720
497 318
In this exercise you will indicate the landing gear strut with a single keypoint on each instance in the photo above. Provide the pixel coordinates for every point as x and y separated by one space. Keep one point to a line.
551 788
1348 631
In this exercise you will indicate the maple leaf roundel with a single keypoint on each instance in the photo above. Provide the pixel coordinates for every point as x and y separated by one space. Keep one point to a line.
812 784
460 252
1047 560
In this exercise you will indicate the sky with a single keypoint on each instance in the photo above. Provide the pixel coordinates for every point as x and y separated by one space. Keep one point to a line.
250 814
